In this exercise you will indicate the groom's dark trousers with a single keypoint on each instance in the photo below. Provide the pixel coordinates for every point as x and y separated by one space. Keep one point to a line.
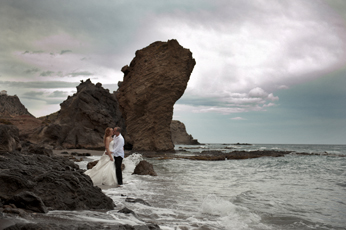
118 173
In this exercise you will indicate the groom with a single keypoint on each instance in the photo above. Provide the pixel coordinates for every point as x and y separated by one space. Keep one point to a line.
118 153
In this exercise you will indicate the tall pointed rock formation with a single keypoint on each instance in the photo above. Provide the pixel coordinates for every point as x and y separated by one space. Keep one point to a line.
156 78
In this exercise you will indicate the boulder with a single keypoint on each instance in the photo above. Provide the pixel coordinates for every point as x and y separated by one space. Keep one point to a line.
144 168
156 78
82 119
91 164
9 138
179 134
58 182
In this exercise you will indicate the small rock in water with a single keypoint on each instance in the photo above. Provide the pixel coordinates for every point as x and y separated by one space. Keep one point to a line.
133 200
126 211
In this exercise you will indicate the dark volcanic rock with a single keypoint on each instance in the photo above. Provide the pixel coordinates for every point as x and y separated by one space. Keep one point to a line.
156 78
9 138
35 149
82 120
57 181
10 106
91 164
137 200
144 168
12 111
179 134
28 200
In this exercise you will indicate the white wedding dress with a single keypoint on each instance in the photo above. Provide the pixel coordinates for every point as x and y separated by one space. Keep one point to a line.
103 173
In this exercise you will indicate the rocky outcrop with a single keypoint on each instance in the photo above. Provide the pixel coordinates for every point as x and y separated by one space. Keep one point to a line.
39 183
156 78
9 138
13 112
144 168
10 106
179 134
82 119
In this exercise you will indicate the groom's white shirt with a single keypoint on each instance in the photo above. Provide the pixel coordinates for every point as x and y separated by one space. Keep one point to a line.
118 144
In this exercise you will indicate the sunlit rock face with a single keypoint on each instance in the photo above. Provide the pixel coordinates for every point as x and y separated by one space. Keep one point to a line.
156 78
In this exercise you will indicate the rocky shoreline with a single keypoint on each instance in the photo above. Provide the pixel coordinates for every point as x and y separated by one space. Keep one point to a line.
35 181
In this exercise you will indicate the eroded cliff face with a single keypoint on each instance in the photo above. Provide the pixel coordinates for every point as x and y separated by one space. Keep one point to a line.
82 119
156 78
10 106
12 111
180 135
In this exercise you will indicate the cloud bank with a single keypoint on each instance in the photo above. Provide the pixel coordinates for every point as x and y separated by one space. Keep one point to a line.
246 51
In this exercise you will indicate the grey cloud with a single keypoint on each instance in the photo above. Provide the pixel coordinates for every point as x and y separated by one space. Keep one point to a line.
65 51
33 52
200 101
53 101
46 73
41 96
40 84
59 94
110 87
76 74
30 71
238 118
33 95
258 92
254 101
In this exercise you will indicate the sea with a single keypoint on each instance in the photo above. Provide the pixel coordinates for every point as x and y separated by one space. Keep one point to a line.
280 193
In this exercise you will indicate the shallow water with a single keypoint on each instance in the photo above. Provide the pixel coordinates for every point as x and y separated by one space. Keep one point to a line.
291 192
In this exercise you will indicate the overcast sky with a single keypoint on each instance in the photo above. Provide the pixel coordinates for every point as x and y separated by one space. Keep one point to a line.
266 71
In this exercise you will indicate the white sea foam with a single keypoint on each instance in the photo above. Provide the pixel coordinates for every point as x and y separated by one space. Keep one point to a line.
229 215
131 162
99 217
82 164
261 193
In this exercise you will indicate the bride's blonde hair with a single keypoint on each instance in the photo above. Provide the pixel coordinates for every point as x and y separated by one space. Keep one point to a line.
107 133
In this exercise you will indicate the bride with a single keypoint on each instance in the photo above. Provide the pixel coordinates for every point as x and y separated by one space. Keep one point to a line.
103 173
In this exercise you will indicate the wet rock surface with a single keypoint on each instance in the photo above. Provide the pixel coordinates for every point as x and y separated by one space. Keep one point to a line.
144 168
27 179
155 79
215 155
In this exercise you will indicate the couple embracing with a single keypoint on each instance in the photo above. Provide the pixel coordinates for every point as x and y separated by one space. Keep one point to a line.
107 171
